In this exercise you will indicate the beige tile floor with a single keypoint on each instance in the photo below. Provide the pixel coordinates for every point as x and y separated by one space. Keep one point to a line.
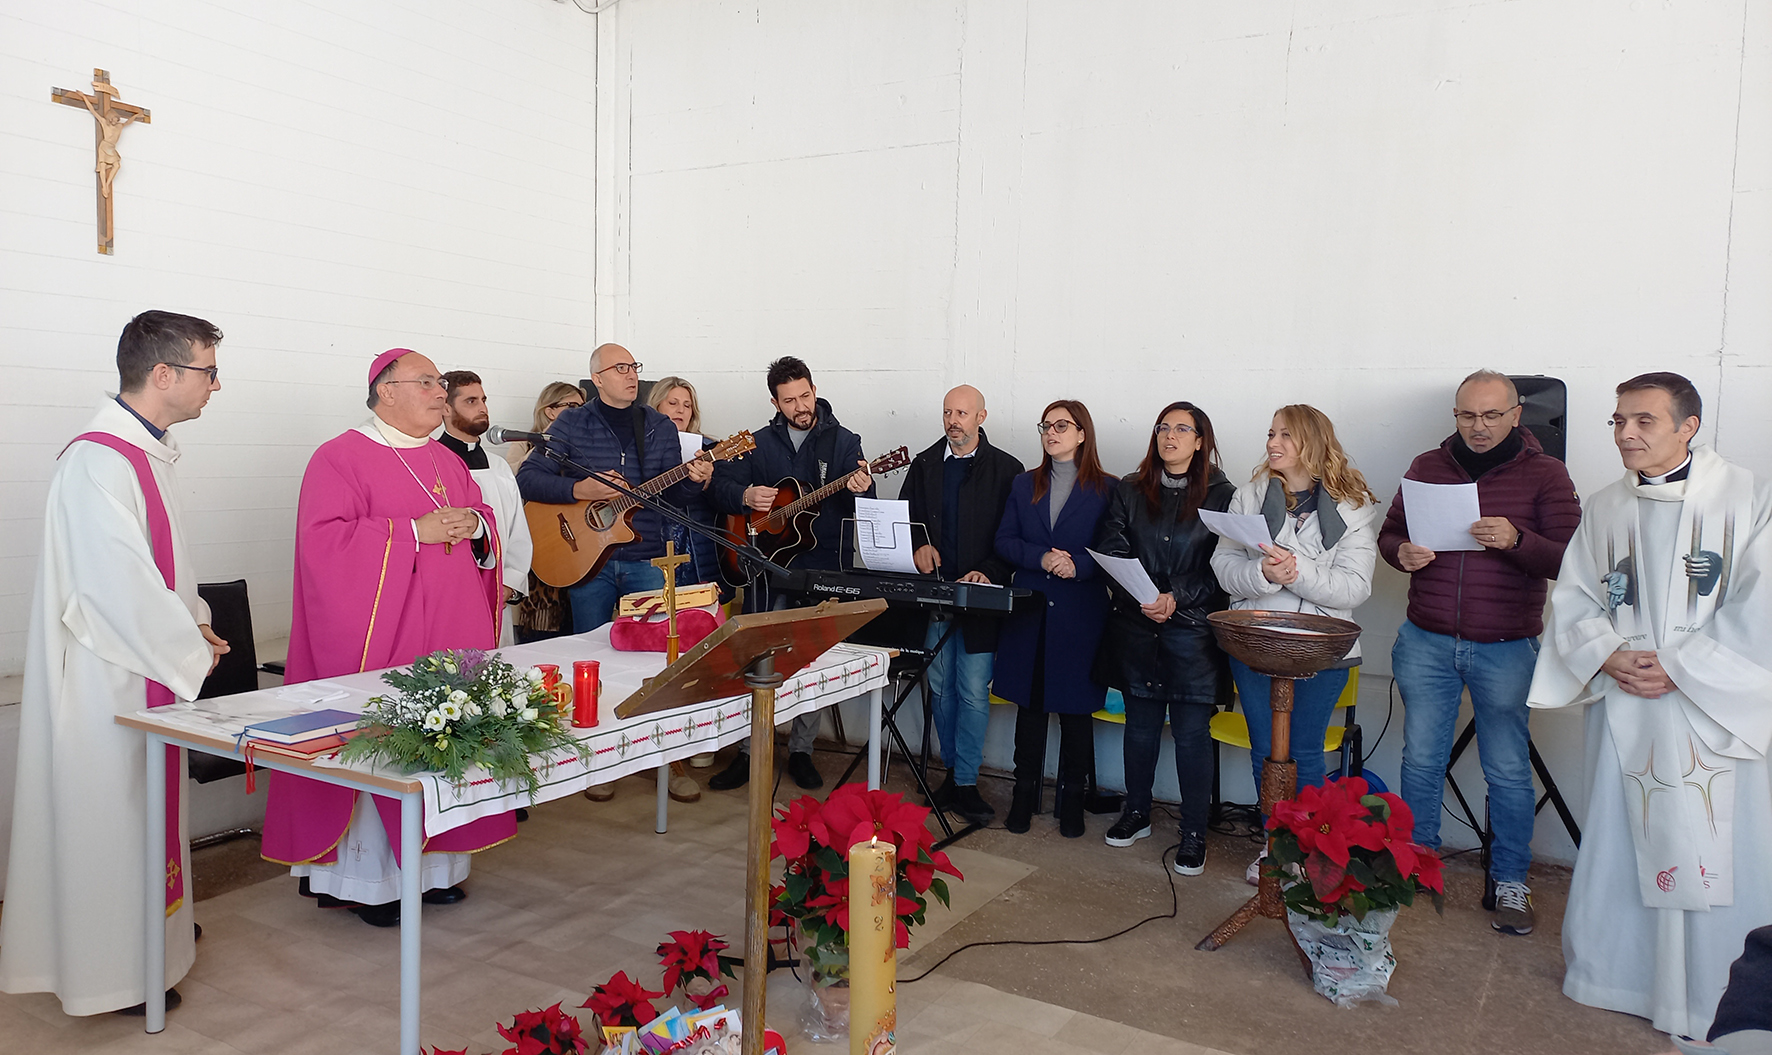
586 890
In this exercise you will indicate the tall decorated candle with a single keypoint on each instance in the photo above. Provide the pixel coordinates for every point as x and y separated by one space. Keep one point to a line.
873 952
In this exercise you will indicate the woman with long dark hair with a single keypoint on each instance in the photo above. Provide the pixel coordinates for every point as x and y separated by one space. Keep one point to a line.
1324 522
1162 656
1044 653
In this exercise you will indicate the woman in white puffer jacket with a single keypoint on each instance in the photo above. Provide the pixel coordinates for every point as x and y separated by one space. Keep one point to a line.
1324 521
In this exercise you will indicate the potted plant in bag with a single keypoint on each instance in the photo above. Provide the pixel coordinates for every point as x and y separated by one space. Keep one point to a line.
1347 863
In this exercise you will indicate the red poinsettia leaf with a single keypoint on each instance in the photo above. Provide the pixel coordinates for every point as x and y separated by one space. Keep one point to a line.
1325 875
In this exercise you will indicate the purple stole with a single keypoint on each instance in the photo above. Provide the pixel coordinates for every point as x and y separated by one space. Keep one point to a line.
160 538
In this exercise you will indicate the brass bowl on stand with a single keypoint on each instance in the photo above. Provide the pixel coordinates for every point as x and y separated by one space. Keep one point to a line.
1284 646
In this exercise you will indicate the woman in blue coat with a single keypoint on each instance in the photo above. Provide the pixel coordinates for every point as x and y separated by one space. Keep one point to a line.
1048 644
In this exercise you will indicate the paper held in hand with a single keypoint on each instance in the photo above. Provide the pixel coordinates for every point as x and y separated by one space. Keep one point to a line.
1130 575
1250 529
883 535
1440 515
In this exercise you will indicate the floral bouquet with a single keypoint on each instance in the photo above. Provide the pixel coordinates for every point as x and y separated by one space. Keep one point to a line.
691 960
457 710
1339 850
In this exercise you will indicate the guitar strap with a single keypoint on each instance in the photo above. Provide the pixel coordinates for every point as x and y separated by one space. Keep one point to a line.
639 411
827 453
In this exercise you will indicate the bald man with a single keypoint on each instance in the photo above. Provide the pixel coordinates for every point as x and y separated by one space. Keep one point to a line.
957 489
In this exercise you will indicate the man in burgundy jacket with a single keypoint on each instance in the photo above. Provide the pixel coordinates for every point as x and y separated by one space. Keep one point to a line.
1474 621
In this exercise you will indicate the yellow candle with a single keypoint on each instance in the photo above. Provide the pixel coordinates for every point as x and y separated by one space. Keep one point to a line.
873 950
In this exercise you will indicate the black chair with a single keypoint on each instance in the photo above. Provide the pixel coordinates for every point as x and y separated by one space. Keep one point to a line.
230 616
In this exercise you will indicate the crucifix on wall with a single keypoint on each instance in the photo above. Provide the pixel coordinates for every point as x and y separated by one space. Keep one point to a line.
110 117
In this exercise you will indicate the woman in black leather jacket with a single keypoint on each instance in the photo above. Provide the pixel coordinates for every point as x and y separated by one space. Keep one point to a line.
1162 656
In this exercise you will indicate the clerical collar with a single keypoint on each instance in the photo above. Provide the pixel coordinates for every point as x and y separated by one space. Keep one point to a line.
1673 477
394 437
1476 463
472 453
153 430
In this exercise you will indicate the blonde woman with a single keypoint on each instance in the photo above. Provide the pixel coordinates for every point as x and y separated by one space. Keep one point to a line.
1324 520
554 400
675 398
543 612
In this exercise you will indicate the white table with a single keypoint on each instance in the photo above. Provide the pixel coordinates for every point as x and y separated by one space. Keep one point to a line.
429 804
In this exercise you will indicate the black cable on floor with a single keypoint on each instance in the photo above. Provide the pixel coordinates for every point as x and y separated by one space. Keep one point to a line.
1174 910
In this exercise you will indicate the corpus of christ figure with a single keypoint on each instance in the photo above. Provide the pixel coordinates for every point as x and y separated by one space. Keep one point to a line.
110 116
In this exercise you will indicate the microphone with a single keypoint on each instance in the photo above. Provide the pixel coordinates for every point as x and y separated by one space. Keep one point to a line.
500 434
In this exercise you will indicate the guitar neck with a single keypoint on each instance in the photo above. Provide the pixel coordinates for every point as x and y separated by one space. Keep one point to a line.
807 501
657 484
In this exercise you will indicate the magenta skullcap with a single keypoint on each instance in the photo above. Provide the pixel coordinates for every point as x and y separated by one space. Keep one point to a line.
385 360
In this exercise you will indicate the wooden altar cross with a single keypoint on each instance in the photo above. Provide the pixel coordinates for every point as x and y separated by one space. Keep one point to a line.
110 116
668 564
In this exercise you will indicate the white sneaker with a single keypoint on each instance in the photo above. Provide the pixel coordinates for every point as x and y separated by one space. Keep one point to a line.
1252 874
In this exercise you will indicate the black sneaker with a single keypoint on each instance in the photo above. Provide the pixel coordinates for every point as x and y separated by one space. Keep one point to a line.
942 796
1130 828
736 775
1190 860
800 767
971 806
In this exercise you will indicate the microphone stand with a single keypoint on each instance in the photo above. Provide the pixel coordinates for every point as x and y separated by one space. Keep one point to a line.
752 558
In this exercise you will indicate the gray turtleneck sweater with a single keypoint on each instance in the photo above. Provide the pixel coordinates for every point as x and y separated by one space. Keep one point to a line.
1064 478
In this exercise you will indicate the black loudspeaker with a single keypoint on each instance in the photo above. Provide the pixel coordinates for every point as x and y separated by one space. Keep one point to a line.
1546 416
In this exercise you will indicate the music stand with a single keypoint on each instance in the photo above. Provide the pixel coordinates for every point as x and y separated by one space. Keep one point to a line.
753 653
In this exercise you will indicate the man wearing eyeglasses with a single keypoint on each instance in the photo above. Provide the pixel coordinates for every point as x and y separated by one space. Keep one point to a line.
116 625
1662 620
617 434
396 556
1474 620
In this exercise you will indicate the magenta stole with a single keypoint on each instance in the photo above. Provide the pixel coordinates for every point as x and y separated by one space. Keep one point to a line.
160 539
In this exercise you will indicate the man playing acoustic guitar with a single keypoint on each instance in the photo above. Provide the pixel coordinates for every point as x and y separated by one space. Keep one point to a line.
803 443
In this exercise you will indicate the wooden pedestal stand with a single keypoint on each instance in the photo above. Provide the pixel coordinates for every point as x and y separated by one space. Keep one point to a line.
753 653
1284 646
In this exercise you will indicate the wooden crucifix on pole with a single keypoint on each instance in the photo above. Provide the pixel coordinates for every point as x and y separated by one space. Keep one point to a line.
110 116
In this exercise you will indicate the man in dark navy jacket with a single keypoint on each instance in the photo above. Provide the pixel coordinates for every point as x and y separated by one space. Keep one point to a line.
956 489
805 443
1474 620
613 433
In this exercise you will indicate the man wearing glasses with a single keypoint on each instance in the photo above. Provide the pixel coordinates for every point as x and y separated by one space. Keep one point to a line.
617 434
1474 620
116 625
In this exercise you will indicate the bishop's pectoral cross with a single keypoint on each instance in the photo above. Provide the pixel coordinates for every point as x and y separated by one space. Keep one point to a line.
110 116
668 564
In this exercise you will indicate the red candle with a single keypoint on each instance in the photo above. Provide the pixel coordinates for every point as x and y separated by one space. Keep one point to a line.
585 676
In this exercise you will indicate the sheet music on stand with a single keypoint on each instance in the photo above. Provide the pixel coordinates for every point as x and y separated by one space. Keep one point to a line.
883 538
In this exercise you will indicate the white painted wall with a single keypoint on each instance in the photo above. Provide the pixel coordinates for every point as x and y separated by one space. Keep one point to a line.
1347 203
323 180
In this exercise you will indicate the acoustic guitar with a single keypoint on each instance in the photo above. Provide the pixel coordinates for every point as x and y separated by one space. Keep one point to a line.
572 541
784 531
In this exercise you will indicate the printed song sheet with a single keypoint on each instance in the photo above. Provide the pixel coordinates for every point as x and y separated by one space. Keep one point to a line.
1130 575
1248 528
1440 515
883 535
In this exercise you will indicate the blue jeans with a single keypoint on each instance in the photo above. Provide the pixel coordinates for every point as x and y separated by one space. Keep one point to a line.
1313 702
1432 672
959 700
1190 725
594 600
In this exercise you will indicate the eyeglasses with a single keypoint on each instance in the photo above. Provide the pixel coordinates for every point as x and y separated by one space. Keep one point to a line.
1164 429
624 369
1061 426
425 384
1488 417
566 404
210 370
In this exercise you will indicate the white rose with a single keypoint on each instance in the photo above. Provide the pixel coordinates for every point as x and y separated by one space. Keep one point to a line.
534 675
499 707
530 713
494 697
458 697
475 710
451 710
434 721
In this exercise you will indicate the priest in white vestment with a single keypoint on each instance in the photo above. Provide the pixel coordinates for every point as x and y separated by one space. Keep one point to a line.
465 420
116 626
1661 620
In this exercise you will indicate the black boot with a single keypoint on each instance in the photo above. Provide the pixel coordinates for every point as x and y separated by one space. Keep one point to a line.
1022 807
1070 809
1098 801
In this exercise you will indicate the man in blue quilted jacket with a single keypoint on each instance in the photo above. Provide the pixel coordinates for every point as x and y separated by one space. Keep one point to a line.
613 433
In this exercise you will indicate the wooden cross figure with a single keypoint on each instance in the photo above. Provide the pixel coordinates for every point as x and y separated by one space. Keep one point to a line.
110 116
668 564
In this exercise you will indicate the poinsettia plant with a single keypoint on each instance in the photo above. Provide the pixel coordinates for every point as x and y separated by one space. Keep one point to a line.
622 1001
691 960
547 1032
1340 849
814 838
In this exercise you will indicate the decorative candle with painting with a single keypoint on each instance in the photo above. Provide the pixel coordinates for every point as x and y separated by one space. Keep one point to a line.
873 950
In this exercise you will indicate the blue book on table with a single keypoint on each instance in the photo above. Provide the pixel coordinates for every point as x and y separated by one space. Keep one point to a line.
308 725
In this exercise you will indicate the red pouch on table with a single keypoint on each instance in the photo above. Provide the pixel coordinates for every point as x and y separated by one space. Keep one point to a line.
639 633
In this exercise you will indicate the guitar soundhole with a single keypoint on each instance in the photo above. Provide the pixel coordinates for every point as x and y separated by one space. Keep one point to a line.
566 533
601 518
